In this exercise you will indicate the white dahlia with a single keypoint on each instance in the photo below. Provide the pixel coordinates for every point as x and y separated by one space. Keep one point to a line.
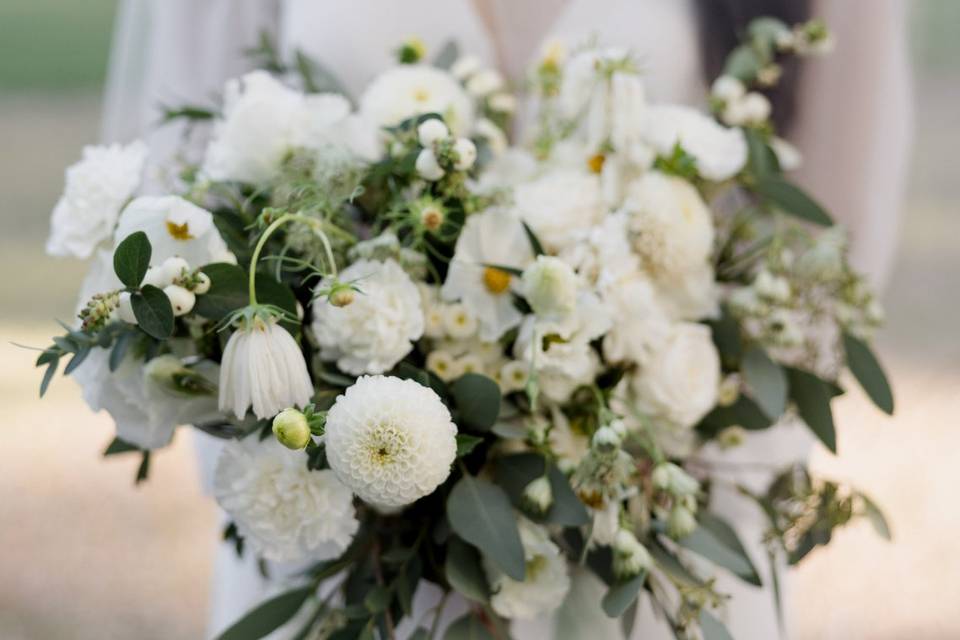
720 152
263 367
284 511
410 90
559 204
97 187
494 238
175 227
391 441
545 584
379 327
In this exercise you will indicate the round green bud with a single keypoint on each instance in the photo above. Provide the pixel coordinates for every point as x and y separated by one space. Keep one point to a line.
291 429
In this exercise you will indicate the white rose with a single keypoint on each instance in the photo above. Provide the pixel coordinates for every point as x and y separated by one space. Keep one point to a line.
96 189
720 152
558 205
680 381
378 329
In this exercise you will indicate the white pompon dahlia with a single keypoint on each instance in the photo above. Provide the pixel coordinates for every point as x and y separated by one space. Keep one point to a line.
97 187
263 366
377 329
284 511
391 441
410 90
720 152
546 582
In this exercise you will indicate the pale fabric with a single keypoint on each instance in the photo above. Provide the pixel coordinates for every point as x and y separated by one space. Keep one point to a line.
854 131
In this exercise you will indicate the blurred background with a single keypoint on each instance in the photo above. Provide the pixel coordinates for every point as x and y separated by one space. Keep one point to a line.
85 554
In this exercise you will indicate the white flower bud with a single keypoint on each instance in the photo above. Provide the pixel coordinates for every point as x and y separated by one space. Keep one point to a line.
661 476
292 429
432 130
728 88
667 476
466 154
729 391
756 108
681 522
503 103
465 66
538 495
606 439
550 286
776 288
174 267
484 83
157 277
619 426
631 558
181 300
125 309
427 166
203 283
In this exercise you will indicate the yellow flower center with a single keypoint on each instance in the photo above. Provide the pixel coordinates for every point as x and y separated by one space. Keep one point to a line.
421 94
496 280
595 162
535 565
179 231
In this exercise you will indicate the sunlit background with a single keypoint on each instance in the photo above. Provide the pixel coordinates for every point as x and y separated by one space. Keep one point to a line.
84 554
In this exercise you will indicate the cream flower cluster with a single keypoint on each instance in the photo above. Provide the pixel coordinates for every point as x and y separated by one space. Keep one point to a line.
391 441
284 511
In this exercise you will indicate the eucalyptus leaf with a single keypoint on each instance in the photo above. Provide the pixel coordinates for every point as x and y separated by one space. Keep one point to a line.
76 360
812 397
481 514
151 306
144 469
466 443
131 259
712 628
622 595
875 515
48 375
464 571
766 380
792 200
762 159
868 372
715 540
447 55
119 350
468 627
119 446
743 63
268 616
478 401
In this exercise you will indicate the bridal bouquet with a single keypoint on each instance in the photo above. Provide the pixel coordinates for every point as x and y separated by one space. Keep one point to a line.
500 370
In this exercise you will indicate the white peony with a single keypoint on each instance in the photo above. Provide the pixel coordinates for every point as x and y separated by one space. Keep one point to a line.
720 152
379 327
558 205
411 90
391 441
175 227
489 239
97 188
146 408
550 286
285 512
263 367
671 226
545 584
680 380
263 119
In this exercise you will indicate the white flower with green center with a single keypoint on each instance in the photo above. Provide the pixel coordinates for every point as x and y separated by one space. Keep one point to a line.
411 90
545 584
720 152
284 511
391 441
97 187
488 241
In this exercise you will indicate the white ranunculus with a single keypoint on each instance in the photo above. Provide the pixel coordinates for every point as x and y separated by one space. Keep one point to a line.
410 90
96 189
680 381
720 152
145 408
494 237
263 367
558 205
175 227
640 322
379 327
672 227
550 286
284 511
546 582
391 441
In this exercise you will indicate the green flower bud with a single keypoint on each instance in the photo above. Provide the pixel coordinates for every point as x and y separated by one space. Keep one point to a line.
681 522
291 429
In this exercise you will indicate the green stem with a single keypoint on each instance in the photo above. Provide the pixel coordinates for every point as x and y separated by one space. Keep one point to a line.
276 224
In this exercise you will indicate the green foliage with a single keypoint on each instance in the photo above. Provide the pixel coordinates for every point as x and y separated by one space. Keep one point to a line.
535 245
868 372
229 292
515 472
790 199
466 443
812 397
481 514
762 160
447 55
622 595
716 540
477 399
268 617
151 306
464 571
712 628
679 163
468 627
132 259
766 380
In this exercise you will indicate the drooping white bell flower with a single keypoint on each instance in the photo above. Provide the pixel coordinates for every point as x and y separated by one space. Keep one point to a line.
97 188
263 367
286 512
391 441
494 238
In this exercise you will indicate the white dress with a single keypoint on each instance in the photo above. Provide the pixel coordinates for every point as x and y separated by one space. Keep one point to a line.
855 112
